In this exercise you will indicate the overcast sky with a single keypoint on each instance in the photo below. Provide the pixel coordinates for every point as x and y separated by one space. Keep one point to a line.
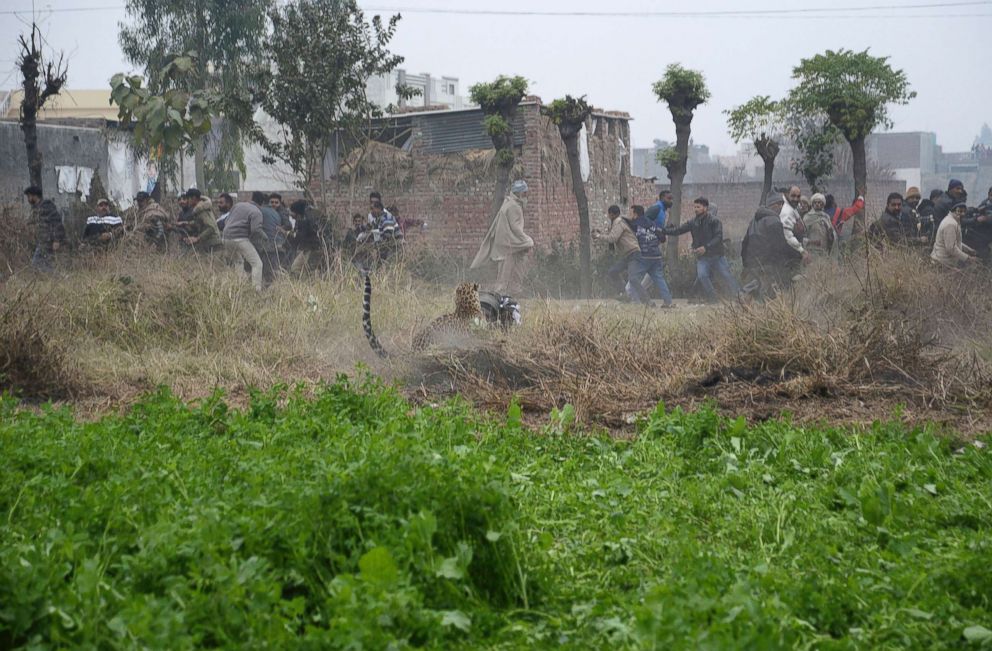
945 51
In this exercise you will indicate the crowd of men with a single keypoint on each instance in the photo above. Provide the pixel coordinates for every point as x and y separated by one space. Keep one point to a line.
261 234
791 231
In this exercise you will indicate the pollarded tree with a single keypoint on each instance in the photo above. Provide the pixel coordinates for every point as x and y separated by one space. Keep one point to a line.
570 115
499 100
853 91
759 121
683 90
42 80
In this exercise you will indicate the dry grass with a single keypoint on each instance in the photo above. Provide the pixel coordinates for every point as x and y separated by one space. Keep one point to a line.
844 344
850 343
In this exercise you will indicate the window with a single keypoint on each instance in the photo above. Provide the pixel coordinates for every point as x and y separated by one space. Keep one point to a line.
451 89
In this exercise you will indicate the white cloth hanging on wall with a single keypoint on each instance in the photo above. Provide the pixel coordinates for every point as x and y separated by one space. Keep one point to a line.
584 153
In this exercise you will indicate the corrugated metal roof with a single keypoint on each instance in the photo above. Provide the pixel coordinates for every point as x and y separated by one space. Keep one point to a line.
449 131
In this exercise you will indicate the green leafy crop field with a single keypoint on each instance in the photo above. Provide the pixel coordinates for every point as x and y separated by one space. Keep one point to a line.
350 519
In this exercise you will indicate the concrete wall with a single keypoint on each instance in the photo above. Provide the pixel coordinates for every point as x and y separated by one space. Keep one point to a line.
60 145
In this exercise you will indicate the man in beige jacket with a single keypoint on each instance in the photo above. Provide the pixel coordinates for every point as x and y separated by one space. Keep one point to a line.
506 244
948 249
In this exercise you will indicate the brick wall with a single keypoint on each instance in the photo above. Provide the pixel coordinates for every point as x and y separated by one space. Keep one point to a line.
454 195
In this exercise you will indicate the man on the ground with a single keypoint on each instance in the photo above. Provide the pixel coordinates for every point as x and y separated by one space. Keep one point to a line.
103 229
948 248
153 221
204 235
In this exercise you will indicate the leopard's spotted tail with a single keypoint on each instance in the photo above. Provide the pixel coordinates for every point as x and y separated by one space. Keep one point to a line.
367 320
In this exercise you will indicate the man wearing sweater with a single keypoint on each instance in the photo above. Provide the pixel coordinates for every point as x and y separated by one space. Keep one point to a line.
243 223
948 249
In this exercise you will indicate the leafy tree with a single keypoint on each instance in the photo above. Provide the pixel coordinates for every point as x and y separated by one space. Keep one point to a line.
499 100
323 53
167 123
853 91
41 80
229 41
683 90
759 121
569 115
816 141
668 158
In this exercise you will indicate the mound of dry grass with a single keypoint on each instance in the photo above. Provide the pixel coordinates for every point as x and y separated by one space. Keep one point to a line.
35 364
865 335
851 341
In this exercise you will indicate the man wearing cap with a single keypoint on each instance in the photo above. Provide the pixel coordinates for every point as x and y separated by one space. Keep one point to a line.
102 229
153 222
50 233
203 233
506 244
948 249
819 238
942 206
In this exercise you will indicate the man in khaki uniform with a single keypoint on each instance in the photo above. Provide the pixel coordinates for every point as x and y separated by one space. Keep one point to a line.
506 244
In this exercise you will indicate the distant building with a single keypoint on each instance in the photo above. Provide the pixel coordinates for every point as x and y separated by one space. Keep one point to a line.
910 155
434 91
69 104
701 168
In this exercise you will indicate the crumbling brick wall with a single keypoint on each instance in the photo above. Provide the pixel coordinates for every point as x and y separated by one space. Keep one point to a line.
453 191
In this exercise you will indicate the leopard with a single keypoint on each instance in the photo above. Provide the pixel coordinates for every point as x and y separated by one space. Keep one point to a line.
468 312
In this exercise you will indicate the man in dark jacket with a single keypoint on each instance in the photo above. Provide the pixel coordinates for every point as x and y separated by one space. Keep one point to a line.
942 206
307 238
50 232
895 226
769 261
707 246
977 226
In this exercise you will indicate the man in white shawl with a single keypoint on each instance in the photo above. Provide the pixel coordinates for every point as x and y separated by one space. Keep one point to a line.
506 244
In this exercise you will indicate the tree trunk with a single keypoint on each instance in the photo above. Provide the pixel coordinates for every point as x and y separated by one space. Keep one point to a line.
30 128
585 236
674 217
198 163
766 185
859 162
29 120
503 169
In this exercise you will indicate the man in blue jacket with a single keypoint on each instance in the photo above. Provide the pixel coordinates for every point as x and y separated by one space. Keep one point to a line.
648 260
707 246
